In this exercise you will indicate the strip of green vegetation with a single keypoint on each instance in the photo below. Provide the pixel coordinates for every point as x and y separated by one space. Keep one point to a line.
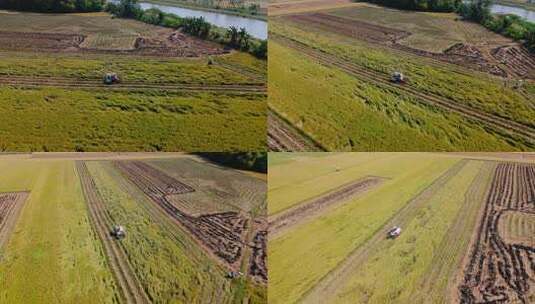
518 3
171 267
393 273
301 257
474 89
51 119
345 113
129 69
53 256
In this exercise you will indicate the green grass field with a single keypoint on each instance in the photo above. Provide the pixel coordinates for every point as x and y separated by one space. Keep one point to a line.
299 258
344 112
53 255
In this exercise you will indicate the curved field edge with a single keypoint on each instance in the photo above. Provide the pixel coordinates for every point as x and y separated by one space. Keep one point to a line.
294 270
349 114
53 248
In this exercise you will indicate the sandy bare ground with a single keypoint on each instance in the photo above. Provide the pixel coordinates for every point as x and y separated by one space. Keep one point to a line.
330 284
313 208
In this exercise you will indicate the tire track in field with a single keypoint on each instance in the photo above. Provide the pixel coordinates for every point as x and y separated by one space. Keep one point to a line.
31 82
490 120
130 288
11 204
329 284
457 240
313 208
285 137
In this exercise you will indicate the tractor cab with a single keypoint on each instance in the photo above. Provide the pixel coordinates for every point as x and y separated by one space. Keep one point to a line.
111 78
394 232
398 77
118 232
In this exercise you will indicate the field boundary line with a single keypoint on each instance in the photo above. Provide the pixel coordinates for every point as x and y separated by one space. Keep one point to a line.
498 123
130 287
284 136
327 286
322 204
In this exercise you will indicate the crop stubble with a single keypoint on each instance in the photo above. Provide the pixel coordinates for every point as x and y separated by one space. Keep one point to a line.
11 204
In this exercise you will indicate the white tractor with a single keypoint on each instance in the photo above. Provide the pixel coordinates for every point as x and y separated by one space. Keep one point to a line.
394 232
111 78
118 232
398 77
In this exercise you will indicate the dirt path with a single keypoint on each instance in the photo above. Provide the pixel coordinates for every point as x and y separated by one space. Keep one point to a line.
495 122
69 83
329 285
284 137
11 204
130 287
315 207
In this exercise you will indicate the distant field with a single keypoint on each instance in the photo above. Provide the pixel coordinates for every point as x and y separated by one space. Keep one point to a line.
453 213
177 93
354 99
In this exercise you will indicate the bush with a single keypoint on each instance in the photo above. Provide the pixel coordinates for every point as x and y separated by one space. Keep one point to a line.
152 16
53 6
172 21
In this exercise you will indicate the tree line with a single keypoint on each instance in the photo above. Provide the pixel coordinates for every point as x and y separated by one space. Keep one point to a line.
421 5
195 26
253 161
54 6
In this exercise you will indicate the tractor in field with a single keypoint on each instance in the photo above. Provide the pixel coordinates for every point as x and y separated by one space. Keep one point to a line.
118 232
234 274
111 78
394 232
398 77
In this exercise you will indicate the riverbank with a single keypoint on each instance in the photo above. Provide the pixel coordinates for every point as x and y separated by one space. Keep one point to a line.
261 16
516 3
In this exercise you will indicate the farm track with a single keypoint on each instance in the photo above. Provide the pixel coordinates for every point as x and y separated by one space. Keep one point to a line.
21 81
221 235
382 80
130 287
329 284
285 137
313 208
448 256
498 271
11 204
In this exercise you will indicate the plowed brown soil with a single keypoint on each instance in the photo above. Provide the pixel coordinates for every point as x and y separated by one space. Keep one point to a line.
10 207
498 271
169 44
221 234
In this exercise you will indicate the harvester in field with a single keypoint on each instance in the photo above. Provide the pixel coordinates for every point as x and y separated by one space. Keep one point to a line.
394 232
111 78
398 77
234 274
118 232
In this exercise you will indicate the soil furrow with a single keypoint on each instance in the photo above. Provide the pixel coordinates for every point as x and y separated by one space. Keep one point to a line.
284 137
11 204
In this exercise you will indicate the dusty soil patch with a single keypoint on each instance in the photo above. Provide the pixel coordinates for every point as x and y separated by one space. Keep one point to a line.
166 44
10 206
499 271
315 207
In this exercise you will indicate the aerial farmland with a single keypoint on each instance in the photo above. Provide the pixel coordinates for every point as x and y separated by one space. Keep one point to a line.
354 76
130 228
177 92
401 228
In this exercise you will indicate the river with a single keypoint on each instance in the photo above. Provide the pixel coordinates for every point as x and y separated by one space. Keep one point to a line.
257 28
505 9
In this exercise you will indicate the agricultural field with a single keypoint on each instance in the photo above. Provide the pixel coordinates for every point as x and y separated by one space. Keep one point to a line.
466 228
330 72
63 209
177 92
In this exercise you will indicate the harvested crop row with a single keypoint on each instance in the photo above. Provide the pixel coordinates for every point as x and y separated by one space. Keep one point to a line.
221 234
284 137
258 266
500 271
492 121
130 287
18 81
329 285
10 206
315 207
